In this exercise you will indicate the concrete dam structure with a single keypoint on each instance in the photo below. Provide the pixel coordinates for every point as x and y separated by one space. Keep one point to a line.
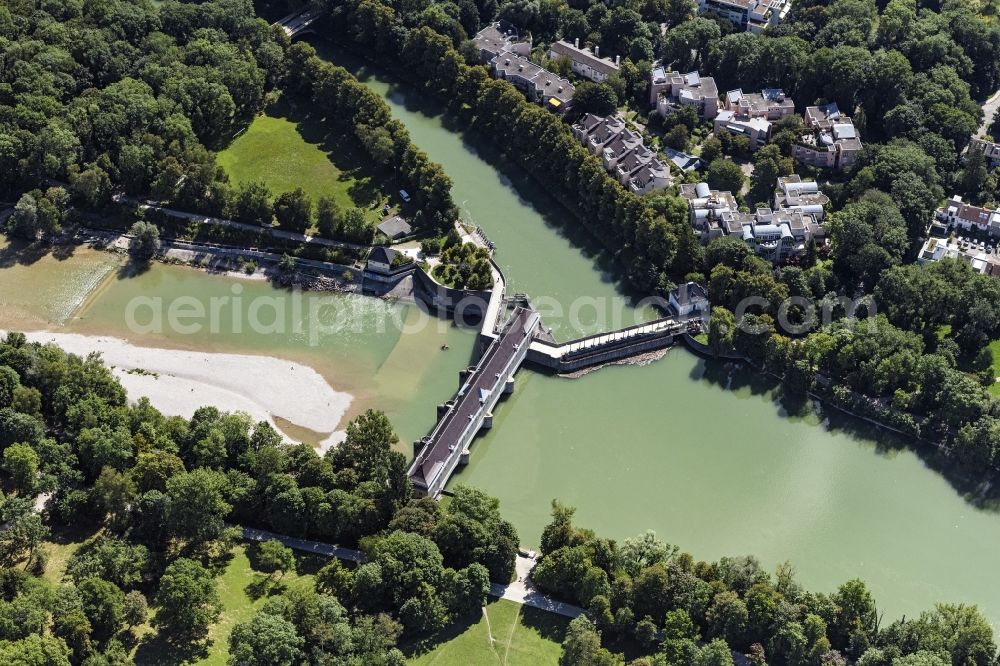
510 334
439 453
510 342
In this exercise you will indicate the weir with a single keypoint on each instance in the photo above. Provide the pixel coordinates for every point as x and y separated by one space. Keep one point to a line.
606 347
438 454
509 342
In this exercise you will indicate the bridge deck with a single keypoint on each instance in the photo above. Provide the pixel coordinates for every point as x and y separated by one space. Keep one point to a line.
476 397
297 22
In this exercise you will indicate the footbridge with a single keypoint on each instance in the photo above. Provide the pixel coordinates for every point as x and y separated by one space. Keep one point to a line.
299 22
438 454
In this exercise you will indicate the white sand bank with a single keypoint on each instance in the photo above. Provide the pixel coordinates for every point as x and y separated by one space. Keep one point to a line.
181 381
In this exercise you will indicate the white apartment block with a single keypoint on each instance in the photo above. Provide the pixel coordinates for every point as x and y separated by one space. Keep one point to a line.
670 90
957 213
752 114
831 141
586 63
751 15
622 153
793 193
775 235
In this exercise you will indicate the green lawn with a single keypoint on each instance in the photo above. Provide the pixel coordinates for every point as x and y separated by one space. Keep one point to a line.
60 547
242 591
995 348
506 633
285 150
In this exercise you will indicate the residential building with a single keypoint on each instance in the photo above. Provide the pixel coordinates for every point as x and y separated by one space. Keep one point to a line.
537 84
622 153
395 227
652 176
380 260
985 261
586 63
769 103
507 53
683 161
757 130
751 15
689 300
621 145
793 193
831 141
990 149
752 114
776 235
671 90
500 37
957 213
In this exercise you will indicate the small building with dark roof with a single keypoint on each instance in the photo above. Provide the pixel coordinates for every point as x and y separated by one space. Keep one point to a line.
689 300
395 227
380 260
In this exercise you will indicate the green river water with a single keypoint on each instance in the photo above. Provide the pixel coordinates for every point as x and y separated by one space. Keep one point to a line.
702 454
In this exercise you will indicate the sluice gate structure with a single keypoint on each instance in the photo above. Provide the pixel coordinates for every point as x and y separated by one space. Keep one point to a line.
438 454
510 337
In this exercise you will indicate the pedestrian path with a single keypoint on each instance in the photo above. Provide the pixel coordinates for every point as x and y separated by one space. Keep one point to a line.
522 591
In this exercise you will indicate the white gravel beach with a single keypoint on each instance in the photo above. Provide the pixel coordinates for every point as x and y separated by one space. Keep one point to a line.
179 382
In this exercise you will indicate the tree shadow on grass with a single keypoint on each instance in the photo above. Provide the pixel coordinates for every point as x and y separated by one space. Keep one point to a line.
370 183
21 252
264 586
549 626
415 647
158 650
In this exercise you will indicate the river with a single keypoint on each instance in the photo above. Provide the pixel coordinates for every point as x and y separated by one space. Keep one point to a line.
357 343
706 457
703 455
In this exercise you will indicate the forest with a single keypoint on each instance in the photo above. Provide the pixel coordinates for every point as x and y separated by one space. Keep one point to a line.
162 496
103 97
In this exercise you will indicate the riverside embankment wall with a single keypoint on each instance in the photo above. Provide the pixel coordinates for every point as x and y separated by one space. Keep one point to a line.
464 303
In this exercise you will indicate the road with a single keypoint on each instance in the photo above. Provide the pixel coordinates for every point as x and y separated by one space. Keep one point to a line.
305 239
990 107
191 252
521 591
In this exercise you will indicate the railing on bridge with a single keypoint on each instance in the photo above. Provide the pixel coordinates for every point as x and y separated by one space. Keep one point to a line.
606 347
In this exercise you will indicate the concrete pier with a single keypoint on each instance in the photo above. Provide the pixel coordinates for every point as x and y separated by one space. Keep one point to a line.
472 407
